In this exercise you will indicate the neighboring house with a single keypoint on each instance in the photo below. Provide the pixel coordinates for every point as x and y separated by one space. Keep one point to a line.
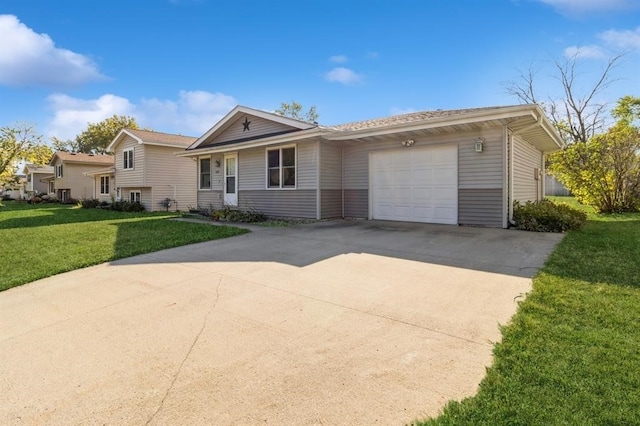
17 189
147 169
36 179
462 166
70 169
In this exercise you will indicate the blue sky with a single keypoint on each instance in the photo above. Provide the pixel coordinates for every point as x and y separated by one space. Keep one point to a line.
179 65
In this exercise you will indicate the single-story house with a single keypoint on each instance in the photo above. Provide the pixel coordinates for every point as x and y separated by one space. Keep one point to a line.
70 180
463 167
36 183
148 171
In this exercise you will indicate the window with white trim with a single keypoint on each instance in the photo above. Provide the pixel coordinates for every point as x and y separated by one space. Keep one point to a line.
281 167
59 171
104 185
205 173
127 160
134 196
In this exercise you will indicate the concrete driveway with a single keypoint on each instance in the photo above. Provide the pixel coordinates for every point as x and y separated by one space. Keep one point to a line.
341 322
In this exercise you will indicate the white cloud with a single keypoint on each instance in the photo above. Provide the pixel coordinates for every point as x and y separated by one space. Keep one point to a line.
581 7
344 76
625 39
31 59
192 113
71 115
587 52
339 59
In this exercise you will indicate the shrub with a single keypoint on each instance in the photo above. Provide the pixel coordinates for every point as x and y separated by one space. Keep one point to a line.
229 214
546 216
89 203
127 206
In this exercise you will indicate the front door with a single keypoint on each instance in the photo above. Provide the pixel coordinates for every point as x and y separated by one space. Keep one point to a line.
231 179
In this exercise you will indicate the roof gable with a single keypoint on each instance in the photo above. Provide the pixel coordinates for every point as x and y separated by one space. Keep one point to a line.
243 124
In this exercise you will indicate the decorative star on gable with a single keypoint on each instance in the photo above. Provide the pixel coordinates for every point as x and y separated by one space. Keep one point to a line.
245 125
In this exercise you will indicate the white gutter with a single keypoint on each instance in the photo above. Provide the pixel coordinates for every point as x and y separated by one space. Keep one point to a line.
431 123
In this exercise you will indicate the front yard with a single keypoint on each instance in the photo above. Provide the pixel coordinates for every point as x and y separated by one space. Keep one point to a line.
571 355
39 241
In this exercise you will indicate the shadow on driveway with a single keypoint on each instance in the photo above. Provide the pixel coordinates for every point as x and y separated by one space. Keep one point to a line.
510 252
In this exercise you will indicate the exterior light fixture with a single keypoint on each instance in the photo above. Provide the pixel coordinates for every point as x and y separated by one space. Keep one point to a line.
479 145
407 142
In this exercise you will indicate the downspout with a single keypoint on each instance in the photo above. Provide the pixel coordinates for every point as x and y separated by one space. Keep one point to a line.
544 175
511 180
506 178
318 185
342 176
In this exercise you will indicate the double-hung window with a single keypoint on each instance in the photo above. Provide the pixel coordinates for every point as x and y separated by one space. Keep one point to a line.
134 196
127 159
104 185
59 171
205 173
281 167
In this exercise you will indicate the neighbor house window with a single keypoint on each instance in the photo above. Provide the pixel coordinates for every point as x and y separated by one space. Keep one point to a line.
205 173
52 187
59 171
127 159
104 185
281 167
134 196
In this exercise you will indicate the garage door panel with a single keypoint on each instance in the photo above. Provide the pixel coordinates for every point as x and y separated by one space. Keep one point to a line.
418 185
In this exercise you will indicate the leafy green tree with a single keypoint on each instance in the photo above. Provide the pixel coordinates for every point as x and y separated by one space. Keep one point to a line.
604 172
295 110
97 136
21 143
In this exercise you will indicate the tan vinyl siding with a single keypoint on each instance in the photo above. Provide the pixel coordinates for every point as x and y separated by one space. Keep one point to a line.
252 168
298 203
74 180
480 207
170 177
526 158
135 177
259 126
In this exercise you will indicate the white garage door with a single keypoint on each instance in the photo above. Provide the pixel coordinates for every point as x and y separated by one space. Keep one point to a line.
415 184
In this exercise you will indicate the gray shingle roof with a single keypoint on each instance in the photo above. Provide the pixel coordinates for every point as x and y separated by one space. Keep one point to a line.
408 118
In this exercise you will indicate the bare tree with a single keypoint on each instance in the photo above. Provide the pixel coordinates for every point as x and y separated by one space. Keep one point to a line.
578 115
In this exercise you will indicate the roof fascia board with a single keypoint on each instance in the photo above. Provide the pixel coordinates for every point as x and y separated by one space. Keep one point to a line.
290 137
514 112
117 139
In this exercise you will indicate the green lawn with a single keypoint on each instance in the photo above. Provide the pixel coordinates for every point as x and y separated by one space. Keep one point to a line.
38 241
571 355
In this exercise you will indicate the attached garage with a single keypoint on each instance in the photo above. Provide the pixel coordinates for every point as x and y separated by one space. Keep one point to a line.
416 185
455 167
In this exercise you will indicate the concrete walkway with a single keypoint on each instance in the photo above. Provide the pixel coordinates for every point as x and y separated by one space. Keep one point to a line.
344 322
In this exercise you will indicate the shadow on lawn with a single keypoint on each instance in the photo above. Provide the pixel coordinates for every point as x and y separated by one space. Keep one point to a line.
614 254
56 214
